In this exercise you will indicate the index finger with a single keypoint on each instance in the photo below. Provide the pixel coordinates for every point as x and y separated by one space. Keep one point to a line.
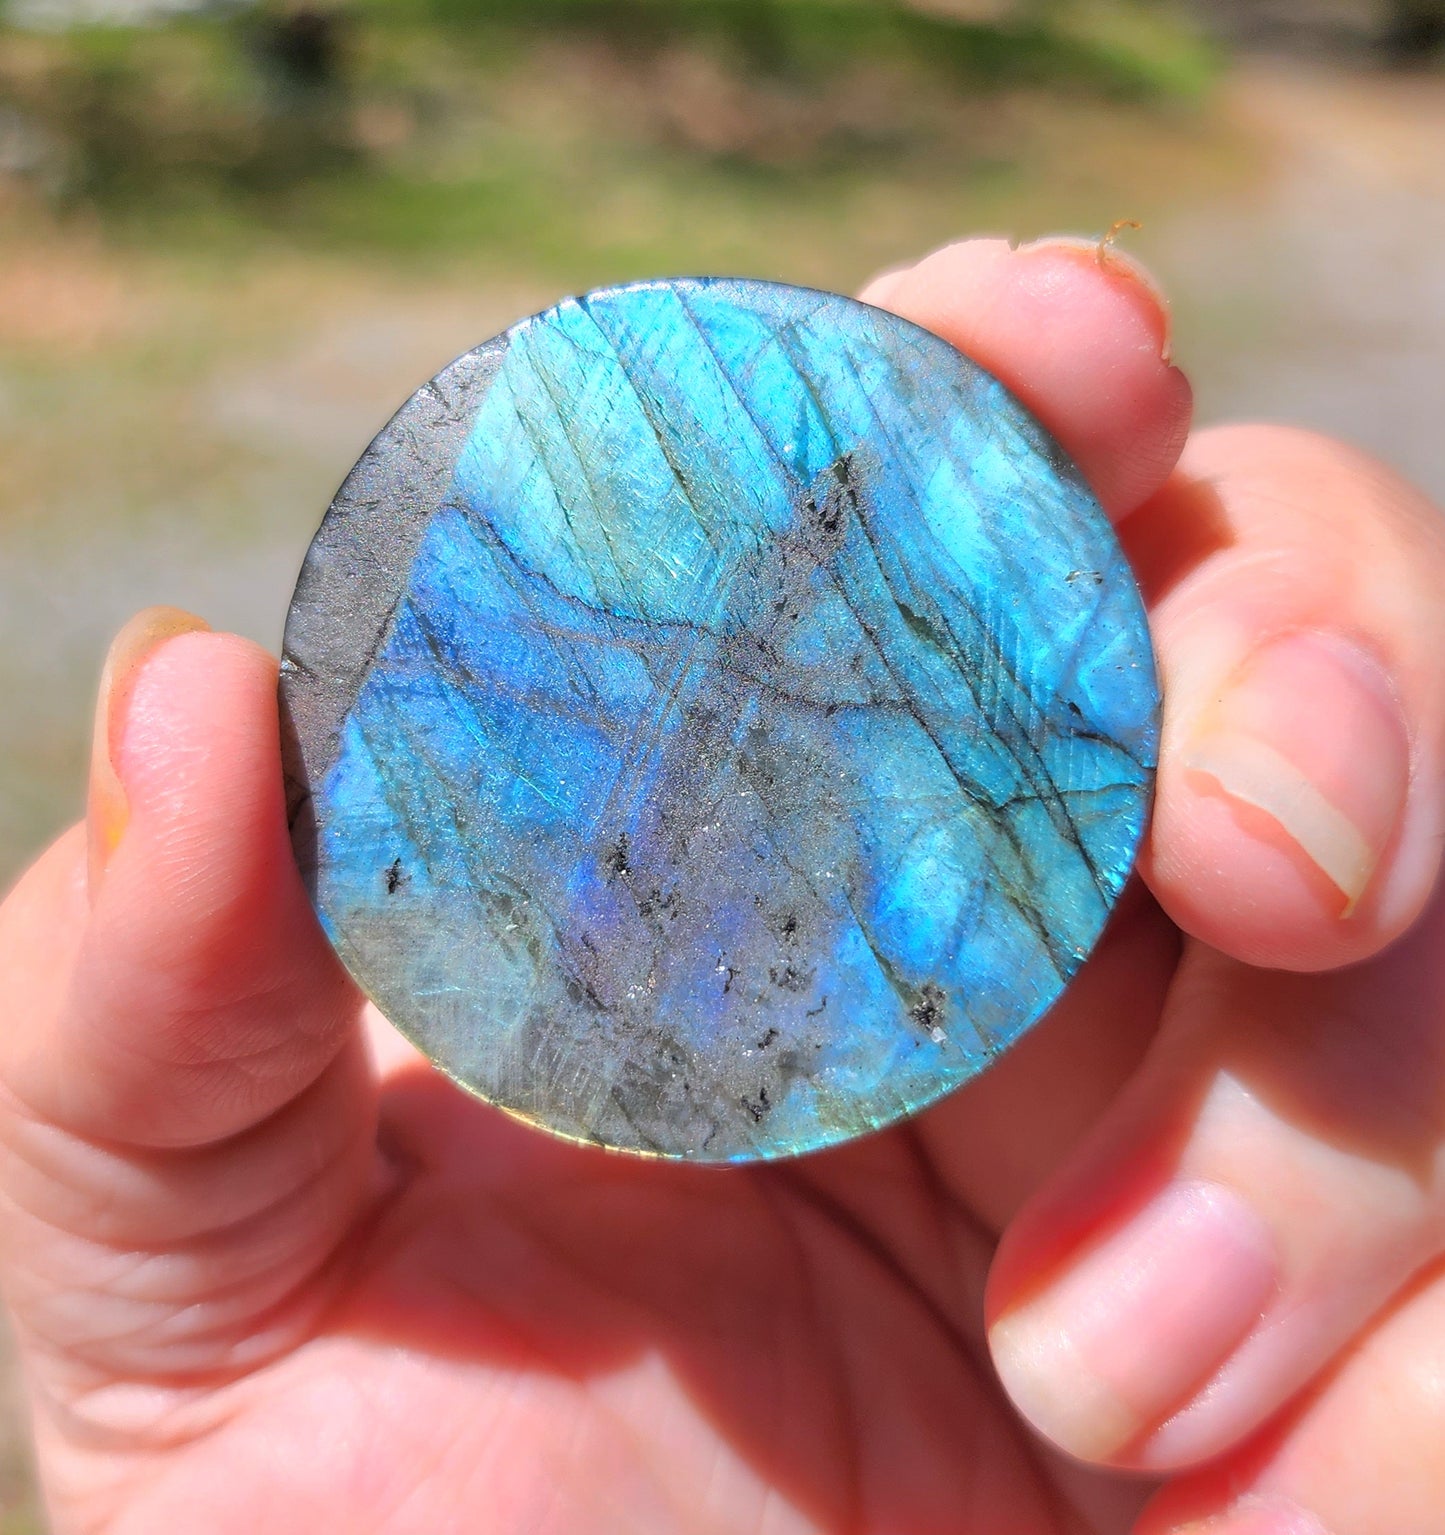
1079 335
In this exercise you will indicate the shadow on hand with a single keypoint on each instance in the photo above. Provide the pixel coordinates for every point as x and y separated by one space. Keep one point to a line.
1353 1057
821 1319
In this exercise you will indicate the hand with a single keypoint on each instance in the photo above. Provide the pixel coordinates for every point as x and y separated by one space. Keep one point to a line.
270 1272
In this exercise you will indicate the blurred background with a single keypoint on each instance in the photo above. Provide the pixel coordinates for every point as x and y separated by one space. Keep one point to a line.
233 237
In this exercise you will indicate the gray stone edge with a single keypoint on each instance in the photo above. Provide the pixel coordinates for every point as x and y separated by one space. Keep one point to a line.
357 570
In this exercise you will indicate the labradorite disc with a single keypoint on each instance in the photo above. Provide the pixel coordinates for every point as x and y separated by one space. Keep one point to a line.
719 719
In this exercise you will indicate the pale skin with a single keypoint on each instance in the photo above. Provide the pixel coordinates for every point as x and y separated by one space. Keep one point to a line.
270 1272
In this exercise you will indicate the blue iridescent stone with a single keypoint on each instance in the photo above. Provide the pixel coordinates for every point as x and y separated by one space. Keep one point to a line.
718 719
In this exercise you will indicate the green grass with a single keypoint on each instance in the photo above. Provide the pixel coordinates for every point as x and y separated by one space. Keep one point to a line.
1130 48
600 132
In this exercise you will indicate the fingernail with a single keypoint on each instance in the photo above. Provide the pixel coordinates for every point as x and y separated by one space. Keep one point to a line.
1139 1322
1126 267
1310 733
107 812
882 285
1256 1517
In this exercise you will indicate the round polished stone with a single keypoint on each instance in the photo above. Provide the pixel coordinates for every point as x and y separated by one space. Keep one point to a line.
718 719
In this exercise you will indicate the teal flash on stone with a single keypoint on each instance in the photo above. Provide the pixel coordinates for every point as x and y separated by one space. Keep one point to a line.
719 719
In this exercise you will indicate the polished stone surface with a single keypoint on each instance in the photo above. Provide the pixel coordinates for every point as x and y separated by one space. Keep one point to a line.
719 720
